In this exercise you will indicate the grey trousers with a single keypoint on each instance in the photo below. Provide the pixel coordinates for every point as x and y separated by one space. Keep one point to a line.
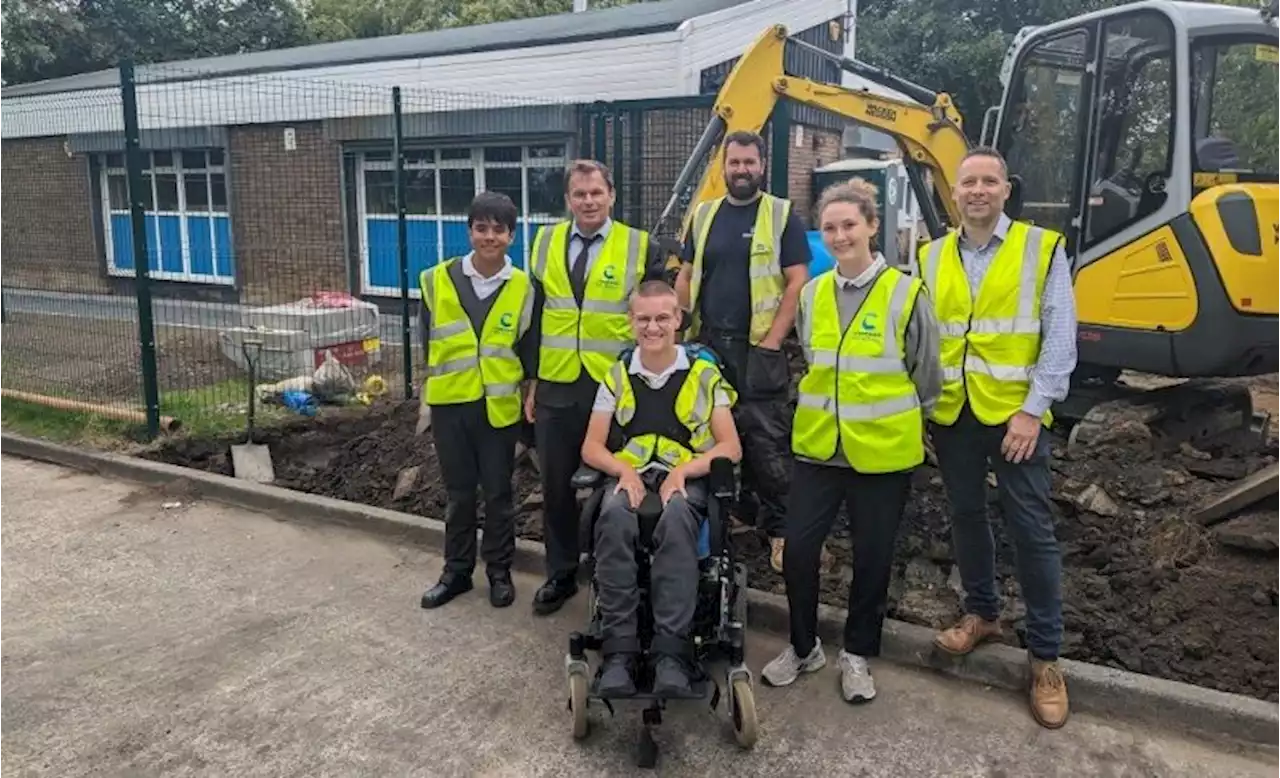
673 569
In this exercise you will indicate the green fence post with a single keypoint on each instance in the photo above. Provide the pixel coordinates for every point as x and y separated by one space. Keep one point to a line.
636 216
141 256
402 247
616 163
601 121
780 143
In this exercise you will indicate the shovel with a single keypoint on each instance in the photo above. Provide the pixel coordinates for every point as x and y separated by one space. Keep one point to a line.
252 461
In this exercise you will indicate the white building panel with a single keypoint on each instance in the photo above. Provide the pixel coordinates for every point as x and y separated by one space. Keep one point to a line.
635 67
723 35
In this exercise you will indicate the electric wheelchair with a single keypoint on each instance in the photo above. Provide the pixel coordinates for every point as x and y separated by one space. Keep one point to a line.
717 633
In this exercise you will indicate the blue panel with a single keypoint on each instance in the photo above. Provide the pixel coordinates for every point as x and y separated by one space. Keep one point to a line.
457 241
222 234
384 262
121 241
822 259
153 263
201 245
171 243
382 252
424 248
516 252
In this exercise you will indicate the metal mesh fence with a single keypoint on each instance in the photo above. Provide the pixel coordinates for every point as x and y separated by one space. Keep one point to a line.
647 144
276 239
67 334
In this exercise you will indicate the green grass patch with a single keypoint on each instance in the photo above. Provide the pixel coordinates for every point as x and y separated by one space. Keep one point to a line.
40 421
212 411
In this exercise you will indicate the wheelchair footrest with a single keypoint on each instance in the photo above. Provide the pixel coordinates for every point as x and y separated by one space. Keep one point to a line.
699 689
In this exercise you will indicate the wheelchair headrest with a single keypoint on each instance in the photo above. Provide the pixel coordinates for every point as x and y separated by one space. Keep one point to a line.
695 352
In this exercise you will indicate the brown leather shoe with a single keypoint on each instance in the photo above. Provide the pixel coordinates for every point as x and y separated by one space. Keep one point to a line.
967 634
776 546
1048 694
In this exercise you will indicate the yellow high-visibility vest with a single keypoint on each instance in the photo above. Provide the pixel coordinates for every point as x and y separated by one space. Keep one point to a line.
989 344
856 392
764 265
462 367
694 404
592 336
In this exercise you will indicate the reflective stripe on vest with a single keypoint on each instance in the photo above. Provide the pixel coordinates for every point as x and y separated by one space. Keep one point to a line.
694 405
463 368
764 266
856 392
988 344
592 335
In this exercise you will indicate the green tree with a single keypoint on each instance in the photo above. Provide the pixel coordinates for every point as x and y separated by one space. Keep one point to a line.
330 20
53 38
955 46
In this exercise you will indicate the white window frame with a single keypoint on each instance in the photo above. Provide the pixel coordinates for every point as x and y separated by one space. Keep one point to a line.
177 169
527 221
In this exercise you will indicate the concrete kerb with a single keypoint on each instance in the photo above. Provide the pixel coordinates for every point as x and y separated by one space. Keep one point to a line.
1093 688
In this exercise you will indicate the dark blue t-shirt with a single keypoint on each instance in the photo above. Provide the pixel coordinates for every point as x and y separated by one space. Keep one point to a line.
724 299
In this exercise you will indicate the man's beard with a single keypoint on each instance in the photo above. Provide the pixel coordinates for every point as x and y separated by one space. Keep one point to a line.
743 187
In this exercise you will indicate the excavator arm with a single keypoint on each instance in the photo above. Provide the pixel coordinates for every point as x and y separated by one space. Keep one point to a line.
926 125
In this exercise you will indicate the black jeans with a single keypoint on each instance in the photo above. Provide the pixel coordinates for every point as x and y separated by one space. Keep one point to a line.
559 432
474 454
874 504
762 415
964 449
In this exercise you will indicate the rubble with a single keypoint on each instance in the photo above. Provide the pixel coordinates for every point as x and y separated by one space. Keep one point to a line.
1144 587
1255 533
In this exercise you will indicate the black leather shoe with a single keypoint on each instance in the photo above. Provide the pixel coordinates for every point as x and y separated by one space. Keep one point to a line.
617 676
450 586
502 592
553 594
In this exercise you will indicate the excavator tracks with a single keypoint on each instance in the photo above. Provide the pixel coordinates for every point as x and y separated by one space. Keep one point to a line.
1197 412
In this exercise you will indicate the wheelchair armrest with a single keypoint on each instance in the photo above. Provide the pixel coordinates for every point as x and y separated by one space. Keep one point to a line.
722 480
587 477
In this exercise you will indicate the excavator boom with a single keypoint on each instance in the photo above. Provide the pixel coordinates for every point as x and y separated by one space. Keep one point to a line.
925 124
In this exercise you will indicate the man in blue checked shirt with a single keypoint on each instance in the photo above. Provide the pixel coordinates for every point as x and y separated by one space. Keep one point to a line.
1006 314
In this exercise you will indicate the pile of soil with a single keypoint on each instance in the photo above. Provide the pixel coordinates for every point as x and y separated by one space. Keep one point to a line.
1144 589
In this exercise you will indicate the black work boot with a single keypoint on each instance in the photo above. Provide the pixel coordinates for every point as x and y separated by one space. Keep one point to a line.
617 676
553 594
502 592
450 586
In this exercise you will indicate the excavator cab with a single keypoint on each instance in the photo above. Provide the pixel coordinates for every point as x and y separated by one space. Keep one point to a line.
1147 135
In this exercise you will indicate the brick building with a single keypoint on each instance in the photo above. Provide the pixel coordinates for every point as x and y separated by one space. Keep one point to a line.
269 176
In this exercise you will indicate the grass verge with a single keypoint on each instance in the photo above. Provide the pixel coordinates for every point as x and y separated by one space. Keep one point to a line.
203 412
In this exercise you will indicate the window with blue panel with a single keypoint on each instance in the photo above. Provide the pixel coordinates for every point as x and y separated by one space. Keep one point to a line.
439 186
188 224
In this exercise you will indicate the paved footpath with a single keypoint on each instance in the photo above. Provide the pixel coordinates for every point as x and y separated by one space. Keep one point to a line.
144 640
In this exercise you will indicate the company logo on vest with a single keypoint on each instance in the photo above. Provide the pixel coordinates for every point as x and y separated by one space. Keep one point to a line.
869 325
506 322
609 276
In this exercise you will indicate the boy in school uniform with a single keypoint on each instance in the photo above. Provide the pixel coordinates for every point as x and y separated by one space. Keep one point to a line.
476 310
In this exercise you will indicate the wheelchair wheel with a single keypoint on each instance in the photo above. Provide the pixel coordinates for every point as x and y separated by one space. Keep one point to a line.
578 705
743 710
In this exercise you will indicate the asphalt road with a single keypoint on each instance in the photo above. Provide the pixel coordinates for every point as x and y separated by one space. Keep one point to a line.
197 639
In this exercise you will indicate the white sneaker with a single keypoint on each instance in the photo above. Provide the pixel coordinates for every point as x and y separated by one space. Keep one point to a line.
787 667
855 678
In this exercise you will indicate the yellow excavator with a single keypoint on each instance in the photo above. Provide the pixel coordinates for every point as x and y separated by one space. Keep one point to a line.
1147 135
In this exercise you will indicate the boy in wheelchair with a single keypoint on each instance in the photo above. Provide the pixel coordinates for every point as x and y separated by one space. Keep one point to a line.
661 416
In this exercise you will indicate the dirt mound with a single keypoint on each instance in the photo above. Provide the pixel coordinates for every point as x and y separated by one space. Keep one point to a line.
1144 589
